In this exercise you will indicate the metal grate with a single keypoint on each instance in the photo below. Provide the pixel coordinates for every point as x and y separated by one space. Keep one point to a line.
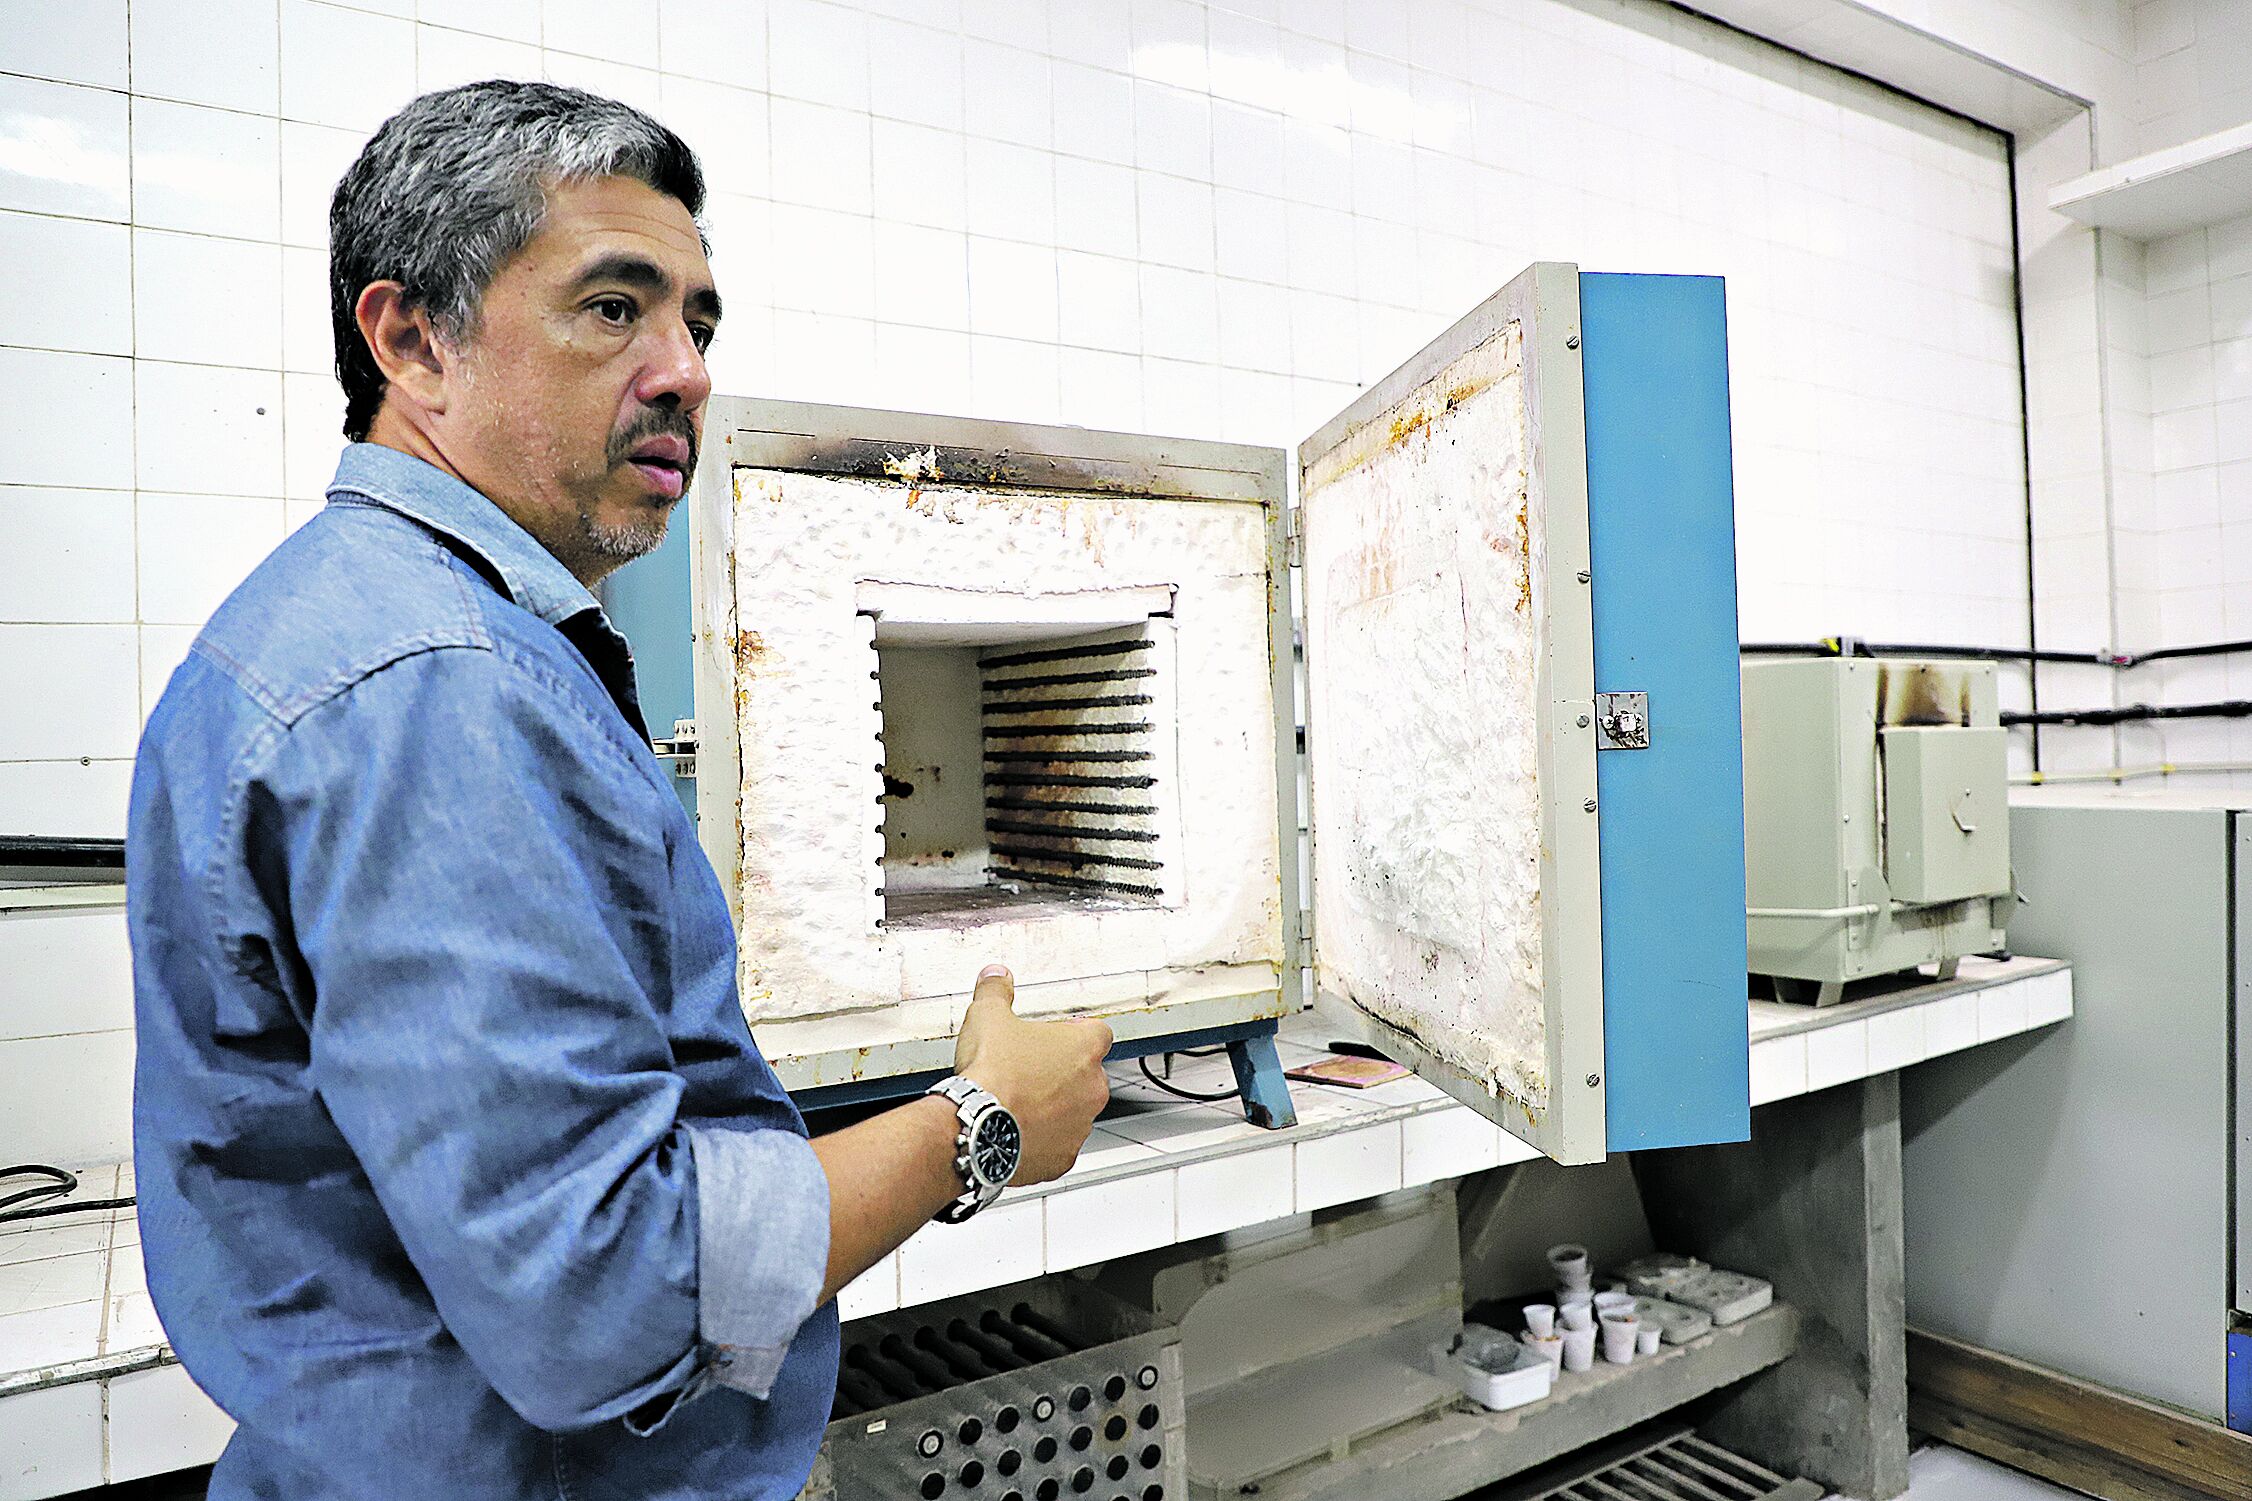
1037 1393
1070 766
1671 1464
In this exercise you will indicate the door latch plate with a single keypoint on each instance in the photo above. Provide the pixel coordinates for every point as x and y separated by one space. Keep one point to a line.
1622 721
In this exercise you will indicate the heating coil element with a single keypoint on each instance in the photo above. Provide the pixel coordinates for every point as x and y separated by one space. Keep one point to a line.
1070 766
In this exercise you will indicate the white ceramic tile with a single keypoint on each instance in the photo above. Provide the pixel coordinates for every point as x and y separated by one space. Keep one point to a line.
219 52
1006 94
723 40
817 52
921 276
1098 302
445 58
1837 1053
601 76
1243 1188
81 42
874 1291
211 171
162 649
1896 1039
194 549
1014 379
1114 1218
1176 221
919 175
1172 131
68 797
727 129
88 667
1012 289
1094 114
207 430
1347 1166
1018 23
51 1440
914 74
52 1282
821 156
1950 1024
825 358
1255 407
515 20
624 31
1097 33
2001 1011
823 262
37 1240
67 284
1011 192
1000 1245
160 1421
313 158
344 67
179 281
1180 314
314 408
1778 1068
64 971
1446 1143
1095 207
50 1336
133 1324
2048 998
308 340
1250 238
921 369
63 149
1101 389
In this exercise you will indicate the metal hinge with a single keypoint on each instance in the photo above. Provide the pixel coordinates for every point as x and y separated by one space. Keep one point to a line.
1294 537
679 748
1622 721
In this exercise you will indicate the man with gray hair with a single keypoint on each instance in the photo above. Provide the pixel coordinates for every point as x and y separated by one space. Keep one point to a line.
459 1172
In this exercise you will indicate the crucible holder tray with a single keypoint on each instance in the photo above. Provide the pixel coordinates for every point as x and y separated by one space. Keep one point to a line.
1047 1390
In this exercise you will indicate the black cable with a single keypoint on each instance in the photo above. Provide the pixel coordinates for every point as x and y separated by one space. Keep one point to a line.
1186 1094
76 1206
1852 646
2233 708
61 1184
61 1181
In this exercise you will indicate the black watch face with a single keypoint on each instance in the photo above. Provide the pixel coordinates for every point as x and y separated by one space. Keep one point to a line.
994 1151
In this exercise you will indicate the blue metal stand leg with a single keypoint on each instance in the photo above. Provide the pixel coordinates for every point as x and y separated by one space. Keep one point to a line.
1258 1075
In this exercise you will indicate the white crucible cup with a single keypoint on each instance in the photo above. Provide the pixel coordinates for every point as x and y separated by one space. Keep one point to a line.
1579 1349
1619 1332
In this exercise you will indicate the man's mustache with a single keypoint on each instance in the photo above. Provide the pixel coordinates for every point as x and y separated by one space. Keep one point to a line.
655 422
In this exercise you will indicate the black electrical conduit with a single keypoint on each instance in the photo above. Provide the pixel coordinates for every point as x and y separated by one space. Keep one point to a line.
1851 646
2228 708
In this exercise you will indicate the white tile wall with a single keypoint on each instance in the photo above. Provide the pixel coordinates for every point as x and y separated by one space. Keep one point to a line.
1205 217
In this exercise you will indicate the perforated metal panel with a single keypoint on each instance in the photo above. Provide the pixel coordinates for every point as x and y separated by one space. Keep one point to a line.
1040 1392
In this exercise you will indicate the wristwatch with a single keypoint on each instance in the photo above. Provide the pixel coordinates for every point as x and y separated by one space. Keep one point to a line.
986 1149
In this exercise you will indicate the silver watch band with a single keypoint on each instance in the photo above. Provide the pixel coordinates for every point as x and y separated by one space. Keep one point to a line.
971 1104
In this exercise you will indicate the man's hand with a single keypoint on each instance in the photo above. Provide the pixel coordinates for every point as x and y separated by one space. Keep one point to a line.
1049 1074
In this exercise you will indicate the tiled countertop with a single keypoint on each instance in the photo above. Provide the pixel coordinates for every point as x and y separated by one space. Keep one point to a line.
89 1391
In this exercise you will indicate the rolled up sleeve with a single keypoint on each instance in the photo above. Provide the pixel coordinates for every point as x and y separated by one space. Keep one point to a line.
762 1248
480 891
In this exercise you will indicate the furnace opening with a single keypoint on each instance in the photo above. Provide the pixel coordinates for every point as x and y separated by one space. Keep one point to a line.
1026 768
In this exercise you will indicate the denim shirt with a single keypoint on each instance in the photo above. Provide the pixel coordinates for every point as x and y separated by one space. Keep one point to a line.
459 1172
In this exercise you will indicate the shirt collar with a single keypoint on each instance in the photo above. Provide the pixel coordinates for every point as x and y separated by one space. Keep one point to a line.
534 577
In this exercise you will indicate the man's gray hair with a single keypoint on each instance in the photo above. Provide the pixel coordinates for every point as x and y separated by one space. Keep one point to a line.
454 184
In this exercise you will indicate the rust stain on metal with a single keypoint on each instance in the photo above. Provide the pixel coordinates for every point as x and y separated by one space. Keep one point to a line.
750 651
1524 555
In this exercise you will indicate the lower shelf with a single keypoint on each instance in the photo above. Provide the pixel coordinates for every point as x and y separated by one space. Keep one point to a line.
1463 1448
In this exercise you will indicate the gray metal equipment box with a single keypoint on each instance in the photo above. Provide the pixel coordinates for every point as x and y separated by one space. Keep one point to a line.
1876 828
